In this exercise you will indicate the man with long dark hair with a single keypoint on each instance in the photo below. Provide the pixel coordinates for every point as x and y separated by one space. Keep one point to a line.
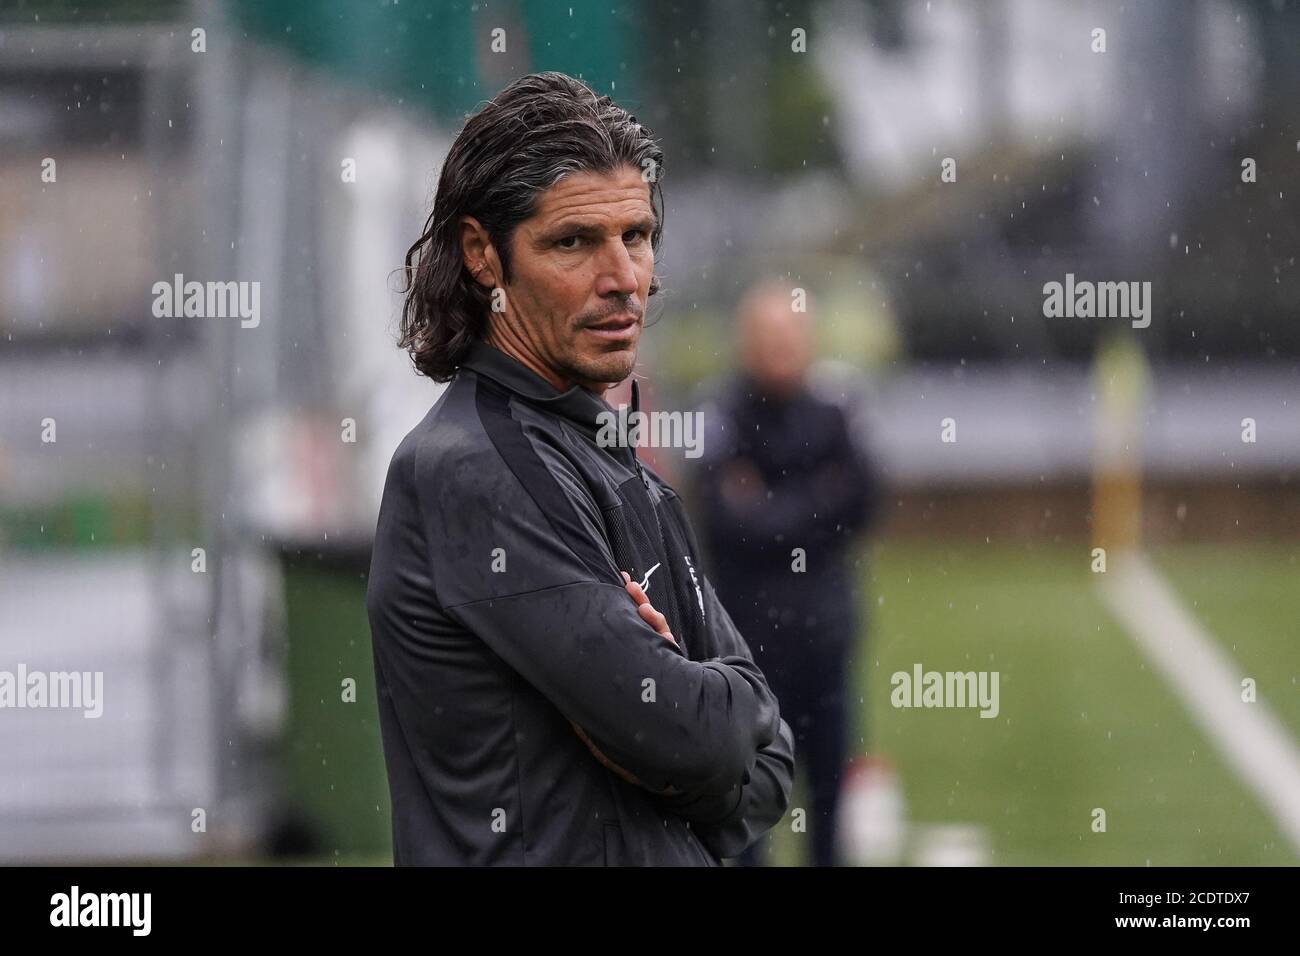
558 682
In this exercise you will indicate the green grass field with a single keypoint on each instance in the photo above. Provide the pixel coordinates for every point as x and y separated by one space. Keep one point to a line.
1249 598
1084 722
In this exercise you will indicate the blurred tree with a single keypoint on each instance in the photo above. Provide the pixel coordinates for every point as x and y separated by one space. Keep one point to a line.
730 92
439 55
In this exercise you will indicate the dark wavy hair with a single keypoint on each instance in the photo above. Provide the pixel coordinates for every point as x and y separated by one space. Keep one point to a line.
537 130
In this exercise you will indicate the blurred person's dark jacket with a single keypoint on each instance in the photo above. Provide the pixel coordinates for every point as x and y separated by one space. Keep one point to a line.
817 492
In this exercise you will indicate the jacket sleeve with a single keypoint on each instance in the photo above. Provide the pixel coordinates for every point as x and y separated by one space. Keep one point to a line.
530 573
729 823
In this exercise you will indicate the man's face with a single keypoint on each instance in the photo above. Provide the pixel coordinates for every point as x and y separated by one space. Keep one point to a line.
580 277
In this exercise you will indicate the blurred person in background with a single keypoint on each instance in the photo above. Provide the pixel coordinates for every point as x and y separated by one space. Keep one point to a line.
780 471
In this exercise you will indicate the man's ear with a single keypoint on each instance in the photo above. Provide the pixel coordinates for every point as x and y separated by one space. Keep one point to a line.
477 254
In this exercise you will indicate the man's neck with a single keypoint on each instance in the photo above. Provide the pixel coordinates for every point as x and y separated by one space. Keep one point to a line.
535 365
528 361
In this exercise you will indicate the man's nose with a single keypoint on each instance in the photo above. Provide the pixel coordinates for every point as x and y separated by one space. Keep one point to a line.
616 270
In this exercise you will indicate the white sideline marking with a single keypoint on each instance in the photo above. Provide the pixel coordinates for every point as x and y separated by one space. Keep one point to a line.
1249 736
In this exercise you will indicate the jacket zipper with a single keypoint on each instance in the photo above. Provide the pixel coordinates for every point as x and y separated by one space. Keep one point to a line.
659 528
636 406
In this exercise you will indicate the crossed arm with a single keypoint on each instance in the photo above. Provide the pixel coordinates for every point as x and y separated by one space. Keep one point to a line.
730 822
660 623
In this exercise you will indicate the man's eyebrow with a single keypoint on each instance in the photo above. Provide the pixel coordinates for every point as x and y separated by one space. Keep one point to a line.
579 227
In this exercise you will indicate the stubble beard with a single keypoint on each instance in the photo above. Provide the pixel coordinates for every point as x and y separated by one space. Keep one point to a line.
604 369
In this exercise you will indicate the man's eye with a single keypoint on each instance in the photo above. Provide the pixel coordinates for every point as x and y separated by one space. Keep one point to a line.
634 234
562 243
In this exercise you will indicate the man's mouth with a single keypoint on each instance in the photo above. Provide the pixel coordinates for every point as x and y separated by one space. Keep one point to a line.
616 327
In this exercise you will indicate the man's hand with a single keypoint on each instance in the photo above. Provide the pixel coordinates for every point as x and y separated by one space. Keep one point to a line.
660 624
646 609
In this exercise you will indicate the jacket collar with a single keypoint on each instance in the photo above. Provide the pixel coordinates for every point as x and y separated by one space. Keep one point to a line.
577 404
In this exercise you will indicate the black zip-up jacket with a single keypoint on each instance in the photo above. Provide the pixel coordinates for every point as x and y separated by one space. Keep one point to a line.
498 616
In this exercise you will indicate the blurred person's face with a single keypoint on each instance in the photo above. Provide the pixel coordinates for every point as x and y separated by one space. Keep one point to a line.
777 345
580 276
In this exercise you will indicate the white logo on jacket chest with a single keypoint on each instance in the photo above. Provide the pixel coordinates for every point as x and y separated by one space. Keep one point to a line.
645 581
